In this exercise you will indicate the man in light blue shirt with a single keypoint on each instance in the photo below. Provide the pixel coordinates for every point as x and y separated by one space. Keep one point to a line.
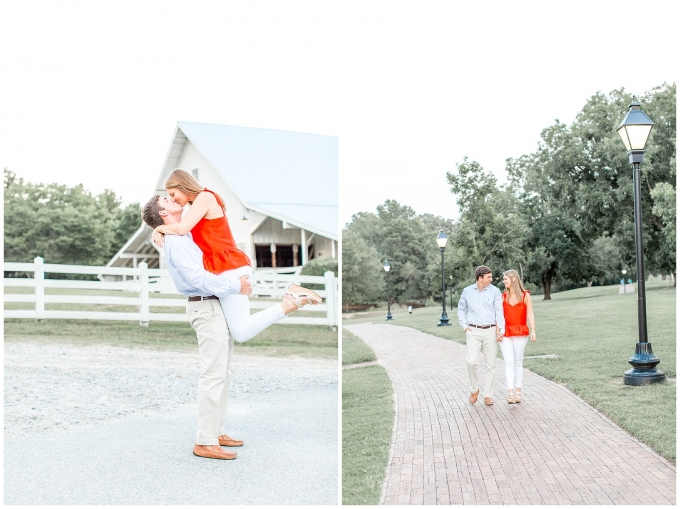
480 314
215 344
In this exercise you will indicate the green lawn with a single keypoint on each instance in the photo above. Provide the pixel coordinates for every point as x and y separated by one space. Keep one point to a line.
354 350
593 332
277 340
367 419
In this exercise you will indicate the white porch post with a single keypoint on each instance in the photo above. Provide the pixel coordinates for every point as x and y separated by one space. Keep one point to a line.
303 245
296 248
39 276
330 299
332 248
143 294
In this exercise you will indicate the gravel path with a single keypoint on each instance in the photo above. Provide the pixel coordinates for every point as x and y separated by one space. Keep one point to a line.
56 388
108 425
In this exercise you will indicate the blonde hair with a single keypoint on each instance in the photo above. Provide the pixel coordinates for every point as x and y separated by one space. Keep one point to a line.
185 182
516 286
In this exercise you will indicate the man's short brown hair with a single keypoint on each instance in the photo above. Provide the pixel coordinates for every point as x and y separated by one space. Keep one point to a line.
150 212
480 271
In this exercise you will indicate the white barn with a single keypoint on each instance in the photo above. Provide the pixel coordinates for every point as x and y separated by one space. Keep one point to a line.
280 189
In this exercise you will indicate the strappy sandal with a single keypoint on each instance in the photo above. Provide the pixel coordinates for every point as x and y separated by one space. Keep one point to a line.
298 293
511 397
518 397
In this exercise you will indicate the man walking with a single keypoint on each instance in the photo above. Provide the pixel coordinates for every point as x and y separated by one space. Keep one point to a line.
480 314
215 344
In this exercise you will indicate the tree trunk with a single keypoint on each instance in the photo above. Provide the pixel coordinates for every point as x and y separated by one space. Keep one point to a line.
546 282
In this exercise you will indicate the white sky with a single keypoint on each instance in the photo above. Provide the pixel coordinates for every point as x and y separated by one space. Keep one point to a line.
92 91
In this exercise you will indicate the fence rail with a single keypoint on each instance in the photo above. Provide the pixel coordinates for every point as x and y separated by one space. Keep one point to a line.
145 283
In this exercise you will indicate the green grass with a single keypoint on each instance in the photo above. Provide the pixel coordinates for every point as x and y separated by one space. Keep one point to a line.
354 350
367 419
277 340
593 332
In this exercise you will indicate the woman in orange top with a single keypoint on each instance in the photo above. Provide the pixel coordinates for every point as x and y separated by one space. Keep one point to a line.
207 221
517 310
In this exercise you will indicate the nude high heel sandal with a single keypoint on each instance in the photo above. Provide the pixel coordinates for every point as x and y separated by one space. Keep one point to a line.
298 293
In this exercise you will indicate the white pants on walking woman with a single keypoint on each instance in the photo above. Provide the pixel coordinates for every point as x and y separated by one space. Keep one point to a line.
513 355
236 308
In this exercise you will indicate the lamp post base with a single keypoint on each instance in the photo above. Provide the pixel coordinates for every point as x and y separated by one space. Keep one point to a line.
389 317
644 367
643 376
443 321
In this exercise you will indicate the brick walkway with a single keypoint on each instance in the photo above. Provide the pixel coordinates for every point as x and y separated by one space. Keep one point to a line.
553 448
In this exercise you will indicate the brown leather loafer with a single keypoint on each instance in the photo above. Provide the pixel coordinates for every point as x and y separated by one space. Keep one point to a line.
488 401
473 397
227 441
214 452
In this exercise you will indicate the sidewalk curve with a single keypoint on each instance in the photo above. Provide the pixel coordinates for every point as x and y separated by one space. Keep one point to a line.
553 448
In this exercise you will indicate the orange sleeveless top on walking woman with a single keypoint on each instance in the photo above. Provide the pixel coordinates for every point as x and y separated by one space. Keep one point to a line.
515 317
215 239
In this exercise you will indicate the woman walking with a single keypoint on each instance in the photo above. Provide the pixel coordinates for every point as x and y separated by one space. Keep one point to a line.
518 311
207 222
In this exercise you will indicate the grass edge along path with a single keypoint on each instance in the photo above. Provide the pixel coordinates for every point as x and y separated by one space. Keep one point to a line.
367 424
593 332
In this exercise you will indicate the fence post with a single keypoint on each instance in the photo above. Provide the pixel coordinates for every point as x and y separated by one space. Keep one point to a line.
39 277
143 294
330 299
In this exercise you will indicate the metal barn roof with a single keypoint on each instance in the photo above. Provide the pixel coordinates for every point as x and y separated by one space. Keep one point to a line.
289 176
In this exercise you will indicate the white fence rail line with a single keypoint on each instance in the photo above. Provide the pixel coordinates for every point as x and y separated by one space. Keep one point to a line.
147 281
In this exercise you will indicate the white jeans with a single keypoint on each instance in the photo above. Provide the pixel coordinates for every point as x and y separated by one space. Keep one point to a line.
513 355
478 340
236 307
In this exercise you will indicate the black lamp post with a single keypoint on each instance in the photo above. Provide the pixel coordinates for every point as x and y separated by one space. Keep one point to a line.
441 242
451 292
623 271
386 266
634 131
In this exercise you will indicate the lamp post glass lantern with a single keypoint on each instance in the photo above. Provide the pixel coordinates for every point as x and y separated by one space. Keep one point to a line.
442 239
386 268
634 132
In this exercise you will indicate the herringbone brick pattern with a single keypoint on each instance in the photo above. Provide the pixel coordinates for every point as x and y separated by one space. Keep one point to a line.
553 448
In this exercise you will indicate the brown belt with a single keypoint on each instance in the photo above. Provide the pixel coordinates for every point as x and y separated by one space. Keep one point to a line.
196 299
481 326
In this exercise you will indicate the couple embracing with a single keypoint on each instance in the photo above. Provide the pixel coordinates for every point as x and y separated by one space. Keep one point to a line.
207 267
489 319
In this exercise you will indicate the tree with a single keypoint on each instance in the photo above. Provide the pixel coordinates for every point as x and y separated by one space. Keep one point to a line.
491 229
65 225
362 271
577 187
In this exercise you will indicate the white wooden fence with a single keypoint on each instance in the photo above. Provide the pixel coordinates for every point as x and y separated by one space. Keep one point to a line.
146 282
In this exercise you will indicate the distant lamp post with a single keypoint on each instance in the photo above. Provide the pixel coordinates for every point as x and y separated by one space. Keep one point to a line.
441 242
451 292
386 267
623 271
634 131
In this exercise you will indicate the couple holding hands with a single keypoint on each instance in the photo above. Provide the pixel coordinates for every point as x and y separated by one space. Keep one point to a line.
491 318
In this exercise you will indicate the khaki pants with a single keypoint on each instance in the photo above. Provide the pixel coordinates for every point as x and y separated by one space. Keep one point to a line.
215 348
484 340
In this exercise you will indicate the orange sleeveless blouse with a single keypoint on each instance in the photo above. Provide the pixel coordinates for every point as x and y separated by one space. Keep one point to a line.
215 239
515 317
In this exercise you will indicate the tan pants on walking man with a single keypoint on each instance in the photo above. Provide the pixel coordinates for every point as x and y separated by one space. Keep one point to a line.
215 348
482 340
